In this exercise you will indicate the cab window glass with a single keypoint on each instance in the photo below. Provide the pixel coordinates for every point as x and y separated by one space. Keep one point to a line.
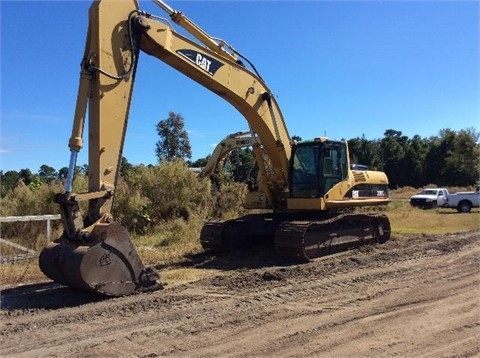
304 176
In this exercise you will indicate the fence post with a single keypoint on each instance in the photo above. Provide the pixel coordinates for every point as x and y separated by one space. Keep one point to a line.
49 230
47 218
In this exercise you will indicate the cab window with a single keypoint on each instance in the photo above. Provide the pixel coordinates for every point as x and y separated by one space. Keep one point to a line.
304 175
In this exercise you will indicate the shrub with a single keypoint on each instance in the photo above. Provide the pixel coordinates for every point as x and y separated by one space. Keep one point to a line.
167 200
155 194
227 202
25 200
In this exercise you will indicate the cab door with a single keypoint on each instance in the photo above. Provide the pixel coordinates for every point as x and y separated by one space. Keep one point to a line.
333 166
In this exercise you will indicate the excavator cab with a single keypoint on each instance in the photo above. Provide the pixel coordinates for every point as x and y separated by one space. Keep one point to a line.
320 178
316 166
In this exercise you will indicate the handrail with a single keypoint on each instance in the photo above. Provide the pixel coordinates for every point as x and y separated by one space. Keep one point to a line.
47 218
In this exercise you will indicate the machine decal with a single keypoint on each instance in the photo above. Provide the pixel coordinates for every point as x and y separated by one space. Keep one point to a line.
243 142
105 260
203 61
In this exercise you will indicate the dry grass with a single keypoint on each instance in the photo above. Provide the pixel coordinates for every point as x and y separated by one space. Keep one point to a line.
178 276
171 243
407 220
161 256
21 273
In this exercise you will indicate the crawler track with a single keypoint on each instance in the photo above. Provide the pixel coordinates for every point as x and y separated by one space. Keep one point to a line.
297 240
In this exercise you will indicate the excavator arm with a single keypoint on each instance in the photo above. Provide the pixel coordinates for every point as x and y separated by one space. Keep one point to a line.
118 31
220 153
221 72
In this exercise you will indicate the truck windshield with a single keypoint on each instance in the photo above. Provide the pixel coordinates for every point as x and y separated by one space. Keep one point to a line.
428 192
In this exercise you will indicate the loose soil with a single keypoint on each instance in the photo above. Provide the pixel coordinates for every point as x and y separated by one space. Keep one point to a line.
412 296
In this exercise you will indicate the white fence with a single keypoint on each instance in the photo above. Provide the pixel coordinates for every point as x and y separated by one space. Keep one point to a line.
28 252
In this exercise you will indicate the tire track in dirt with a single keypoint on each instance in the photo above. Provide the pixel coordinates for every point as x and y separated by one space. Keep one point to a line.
300 333
370 301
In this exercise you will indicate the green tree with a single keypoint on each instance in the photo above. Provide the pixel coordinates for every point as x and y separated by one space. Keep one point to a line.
243 165
367 152
440 149
173 143
125 167
62 173
461 162
393 147
47 173
26 175
413 163
201 162
8 180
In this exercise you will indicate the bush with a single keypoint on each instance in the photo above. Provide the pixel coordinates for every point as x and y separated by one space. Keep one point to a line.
151 195
37 199
167 200
228 201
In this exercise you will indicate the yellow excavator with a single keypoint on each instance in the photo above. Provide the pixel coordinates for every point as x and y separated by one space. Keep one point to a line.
222 150
308 186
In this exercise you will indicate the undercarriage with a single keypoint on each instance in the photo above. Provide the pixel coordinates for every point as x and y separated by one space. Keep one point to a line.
297 236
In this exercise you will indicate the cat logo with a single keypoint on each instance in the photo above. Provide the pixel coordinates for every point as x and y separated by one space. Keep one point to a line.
203 62
105 260
206 63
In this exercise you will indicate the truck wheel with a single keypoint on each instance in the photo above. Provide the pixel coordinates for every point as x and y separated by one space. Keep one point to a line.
464 206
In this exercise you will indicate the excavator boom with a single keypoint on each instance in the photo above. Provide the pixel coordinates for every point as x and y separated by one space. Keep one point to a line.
222 150
94 252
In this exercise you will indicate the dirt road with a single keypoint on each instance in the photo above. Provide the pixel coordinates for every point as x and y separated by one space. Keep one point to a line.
413 296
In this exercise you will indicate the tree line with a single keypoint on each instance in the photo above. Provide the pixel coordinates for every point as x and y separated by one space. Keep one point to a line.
449 159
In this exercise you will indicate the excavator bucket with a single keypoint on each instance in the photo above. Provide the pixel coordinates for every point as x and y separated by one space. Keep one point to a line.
106 263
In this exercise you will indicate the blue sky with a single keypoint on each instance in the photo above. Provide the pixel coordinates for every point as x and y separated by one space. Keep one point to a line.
340 68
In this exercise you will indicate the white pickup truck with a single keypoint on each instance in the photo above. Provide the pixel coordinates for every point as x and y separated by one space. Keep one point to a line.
463 201
429 198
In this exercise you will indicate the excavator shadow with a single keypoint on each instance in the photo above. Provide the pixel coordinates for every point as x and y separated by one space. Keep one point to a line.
259 256
48 295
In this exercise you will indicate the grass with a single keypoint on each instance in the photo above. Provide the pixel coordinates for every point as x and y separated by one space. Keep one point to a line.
21 273
405 219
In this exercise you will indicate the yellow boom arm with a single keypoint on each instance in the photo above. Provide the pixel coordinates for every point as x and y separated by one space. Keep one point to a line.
117 31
